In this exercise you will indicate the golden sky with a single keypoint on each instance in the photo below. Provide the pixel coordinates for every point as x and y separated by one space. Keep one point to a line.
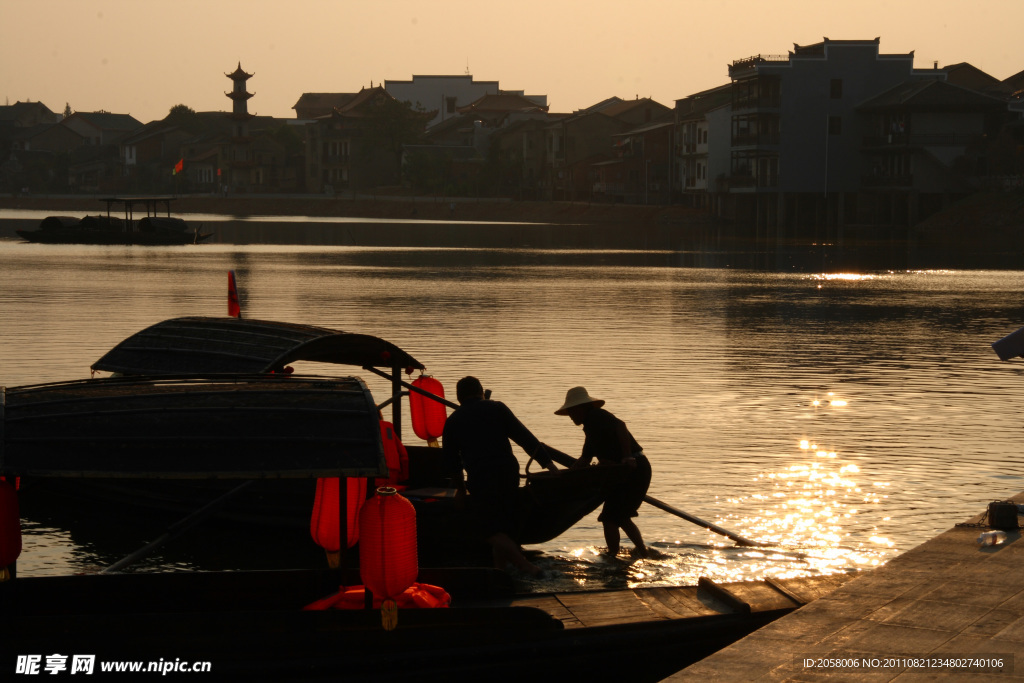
142 57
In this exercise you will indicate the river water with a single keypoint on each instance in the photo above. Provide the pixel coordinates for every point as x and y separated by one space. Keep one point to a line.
840 414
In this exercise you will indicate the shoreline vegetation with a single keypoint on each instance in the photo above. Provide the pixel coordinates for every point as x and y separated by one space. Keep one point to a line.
986 220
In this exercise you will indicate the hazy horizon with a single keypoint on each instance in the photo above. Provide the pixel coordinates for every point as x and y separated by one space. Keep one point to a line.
144 57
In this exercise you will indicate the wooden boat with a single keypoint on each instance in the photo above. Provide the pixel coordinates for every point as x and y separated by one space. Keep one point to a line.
252 625
151 229
178 441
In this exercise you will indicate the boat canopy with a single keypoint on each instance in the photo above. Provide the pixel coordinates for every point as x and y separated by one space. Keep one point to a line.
206 345
238 427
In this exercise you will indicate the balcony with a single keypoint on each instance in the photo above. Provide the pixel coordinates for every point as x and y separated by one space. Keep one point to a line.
742 67
755 102
755 139
887 181
919 140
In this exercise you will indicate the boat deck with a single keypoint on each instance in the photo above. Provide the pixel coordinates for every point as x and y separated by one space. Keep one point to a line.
947 609
641 605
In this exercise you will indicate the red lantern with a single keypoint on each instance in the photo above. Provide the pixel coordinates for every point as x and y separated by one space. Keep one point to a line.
325 523
10 528
395 455
234 310
428 416
387 544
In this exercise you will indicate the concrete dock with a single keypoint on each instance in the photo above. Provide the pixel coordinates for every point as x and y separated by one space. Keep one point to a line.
949 609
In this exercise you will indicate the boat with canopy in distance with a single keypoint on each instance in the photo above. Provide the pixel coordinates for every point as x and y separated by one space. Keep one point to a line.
156 228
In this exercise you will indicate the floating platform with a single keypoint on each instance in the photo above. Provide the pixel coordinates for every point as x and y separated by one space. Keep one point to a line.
948 609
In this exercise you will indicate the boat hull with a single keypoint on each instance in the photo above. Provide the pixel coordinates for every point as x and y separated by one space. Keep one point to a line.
252 625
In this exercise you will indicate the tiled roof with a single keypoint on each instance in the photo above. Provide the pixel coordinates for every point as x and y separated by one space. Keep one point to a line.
931 94
326 100
107 121
501 102
623 106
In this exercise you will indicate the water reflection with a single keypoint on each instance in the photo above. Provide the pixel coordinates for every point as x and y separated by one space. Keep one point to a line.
842 418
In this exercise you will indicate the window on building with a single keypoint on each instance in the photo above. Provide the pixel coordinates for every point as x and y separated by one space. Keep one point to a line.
449 104
835 125
836 89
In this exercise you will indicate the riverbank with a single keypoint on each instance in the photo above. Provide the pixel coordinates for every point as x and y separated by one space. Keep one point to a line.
422 208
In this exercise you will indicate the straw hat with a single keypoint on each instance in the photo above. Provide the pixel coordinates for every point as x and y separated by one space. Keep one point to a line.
577 396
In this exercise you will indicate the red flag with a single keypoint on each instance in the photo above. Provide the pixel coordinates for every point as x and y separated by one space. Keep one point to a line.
234 310
179 166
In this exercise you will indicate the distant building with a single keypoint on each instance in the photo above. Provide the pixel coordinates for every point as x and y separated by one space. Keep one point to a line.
447 94
702 144
313 105
346 150
804 132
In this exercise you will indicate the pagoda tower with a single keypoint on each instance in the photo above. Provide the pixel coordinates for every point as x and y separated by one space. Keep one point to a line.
239 154
239 95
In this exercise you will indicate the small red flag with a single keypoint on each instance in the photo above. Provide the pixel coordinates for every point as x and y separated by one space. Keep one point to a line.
179 166
234 310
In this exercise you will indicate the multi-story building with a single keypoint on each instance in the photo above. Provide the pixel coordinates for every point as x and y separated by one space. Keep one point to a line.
702 145
795 131
574 144
641 166
925 141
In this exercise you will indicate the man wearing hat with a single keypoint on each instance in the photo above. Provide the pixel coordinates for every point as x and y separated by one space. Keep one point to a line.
608 440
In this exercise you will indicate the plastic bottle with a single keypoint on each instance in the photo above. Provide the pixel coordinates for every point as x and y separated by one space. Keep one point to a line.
991 538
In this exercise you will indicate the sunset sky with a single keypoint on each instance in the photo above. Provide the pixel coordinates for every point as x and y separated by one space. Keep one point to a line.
142 57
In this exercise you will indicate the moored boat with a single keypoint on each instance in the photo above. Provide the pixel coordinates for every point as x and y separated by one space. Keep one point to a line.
200 402
152 229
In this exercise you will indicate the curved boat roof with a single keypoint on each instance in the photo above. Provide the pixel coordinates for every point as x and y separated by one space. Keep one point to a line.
234 427
206 345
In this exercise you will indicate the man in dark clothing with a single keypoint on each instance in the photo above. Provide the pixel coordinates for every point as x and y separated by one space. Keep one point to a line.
476 438
608 440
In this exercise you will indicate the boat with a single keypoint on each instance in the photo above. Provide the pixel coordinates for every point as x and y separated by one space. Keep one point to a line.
152 229
197 404
143 427
253 625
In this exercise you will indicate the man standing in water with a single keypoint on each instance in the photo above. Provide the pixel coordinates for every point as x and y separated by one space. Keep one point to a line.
608 440
476 438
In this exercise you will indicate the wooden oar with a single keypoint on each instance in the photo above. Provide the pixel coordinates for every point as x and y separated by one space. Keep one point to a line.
175 529
698 521
567 460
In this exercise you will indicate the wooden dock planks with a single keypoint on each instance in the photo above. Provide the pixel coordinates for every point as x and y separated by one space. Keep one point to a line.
644 605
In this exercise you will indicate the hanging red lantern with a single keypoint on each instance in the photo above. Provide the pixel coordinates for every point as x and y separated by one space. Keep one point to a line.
234 310
325 523
395 455
428 416
10 529
387 544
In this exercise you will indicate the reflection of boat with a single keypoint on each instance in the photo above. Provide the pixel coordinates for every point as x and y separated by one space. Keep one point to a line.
251 626
202 400
151 229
